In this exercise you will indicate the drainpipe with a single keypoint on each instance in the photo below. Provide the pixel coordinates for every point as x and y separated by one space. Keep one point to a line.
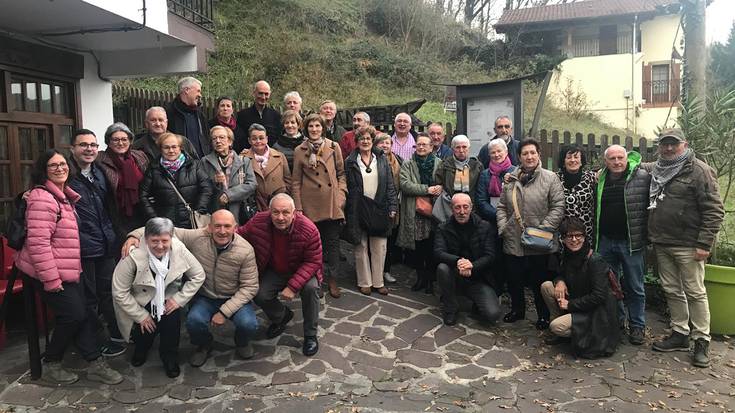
632 74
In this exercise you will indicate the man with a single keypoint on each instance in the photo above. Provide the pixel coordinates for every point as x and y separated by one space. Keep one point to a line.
436 133
621 222
156 123
459 172
186 117
328 110
292 101
465 249
229 287
684 216
404 144
288 252
503 130
260 113
98 237
348 143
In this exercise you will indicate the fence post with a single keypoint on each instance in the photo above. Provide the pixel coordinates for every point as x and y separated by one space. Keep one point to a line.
616 140
554 150
567 137
591 148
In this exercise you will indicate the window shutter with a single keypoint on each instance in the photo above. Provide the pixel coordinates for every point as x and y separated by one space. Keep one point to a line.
675 81
647 83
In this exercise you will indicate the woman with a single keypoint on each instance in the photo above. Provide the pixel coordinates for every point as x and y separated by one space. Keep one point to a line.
540 202
459 173
233 177
415 230
320 190
51 256
150 286
124 168
490 183
583 307
176 173
393 252
371 205
270 166
579 186
291 137
224 117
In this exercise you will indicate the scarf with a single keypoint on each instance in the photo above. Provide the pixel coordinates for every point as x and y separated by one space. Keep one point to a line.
159 267
225 163
426 168
173 166
663 172
314 150
290 142
460 165
230 123
495 186
570 180
461 175
129 177
525 177
263 159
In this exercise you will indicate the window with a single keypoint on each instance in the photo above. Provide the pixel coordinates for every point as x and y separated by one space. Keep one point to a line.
661 83
35 95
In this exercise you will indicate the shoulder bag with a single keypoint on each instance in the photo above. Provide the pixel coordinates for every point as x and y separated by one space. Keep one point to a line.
537 239
198 220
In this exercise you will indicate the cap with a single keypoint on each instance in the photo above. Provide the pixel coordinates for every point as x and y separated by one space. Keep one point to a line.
674 133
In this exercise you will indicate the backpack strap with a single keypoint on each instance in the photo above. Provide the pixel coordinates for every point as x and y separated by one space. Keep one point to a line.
58 204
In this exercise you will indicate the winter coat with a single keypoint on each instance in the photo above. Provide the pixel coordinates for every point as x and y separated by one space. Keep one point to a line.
443 152
637 185
158 198
485 208
147 144
274 179
304 247
541 202
51 250
270 119
386 196
395 163
134 285
448 245
177 113
336 133
241 183
411 187
347 144
444 176
106 164
484 155
319 192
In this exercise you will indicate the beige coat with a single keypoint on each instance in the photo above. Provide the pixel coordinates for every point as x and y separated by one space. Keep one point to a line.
274 179
231 274
133 284
320 192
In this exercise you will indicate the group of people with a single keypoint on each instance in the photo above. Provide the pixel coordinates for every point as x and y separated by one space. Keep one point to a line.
248 209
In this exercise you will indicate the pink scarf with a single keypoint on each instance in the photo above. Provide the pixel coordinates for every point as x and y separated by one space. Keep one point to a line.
495 186
263 159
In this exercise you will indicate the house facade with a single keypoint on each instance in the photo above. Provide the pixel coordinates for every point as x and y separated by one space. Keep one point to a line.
57 60
623 55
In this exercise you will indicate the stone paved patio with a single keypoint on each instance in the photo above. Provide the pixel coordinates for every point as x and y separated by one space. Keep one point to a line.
393 354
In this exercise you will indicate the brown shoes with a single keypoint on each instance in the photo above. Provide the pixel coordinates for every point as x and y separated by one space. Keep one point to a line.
382 291
366 290
333 289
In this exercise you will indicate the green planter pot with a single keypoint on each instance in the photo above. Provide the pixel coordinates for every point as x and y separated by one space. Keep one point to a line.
720 284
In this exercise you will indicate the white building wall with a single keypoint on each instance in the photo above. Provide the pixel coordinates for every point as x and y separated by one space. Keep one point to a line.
156 11
96 100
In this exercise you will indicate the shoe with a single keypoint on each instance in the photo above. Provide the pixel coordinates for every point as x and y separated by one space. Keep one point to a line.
419 285
513 316
389 278
112 349
245 352
700 358
636 336
450 319
333 289
276 329
311 346
200 355
54 373
171 367
138 359
675 342
553 340
98 370
542 324
366 290
382 291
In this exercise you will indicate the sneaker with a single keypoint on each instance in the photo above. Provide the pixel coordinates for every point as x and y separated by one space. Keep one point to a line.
674 342
389 278
99 371
245 352
54 373
636 336
112 349
701 353
200 356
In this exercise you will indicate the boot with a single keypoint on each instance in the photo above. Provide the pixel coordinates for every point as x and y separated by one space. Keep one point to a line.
701 353
333 289
54 373
99 371
674 342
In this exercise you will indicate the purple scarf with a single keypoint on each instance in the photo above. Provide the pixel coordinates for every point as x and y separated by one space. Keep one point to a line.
173 166
495 186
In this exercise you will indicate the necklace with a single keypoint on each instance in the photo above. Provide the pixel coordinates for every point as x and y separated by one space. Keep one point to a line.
367 165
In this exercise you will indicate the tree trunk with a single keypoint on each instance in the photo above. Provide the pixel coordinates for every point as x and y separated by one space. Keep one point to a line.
695 50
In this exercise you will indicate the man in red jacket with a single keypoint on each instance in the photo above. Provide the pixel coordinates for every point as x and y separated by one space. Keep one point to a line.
288 251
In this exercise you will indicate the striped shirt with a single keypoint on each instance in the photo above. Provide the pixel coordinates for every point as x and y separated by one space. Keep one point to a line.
406 150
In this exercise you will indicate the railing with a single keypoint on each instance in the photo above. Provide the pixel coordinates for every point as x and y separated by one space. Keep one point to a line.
199 12
660 91
590 46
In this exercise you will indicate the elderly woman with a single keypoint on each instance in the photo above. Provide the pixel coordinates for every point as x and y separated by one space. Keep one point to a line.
415 230
579 186
224 117
175 176
292 101
459 172
291 136
582 304
150 286
533 197
51 257
271 169
372 203
124 168
384 142
319 190
233 177
490 183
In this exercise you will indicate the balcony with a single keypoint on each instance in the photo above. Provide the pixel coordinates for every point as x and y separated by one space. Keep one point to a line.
199 12
659 93
590 46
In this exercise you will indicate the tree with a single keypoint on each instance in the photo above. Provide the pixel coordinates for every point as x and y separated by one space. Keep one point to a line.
722 62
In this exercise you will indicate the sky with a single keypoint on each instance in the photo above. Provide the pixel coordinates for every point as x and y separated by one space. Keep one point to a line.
720 16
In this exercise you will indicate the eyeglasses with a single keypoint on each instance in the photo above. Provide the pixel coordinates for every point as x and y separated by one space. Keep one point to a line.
503 127
573 237
169 147
85 145
57 166
423 144
219 138
364 138
119 140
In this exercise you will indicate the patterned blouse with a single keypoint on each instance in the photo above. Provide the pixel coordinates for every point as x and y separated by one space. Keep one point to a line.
580 200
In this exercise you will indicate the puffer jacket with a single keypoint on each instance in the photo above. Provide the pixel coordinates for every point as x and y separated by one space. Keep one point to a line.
484 202
51 250
240 184
481 235
411 187
541 203
134 284
444 176
304 247
159 199
637 185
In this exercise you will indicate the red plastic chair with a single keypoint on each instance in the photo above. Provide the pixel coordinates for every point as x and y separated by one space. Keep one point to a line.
6 266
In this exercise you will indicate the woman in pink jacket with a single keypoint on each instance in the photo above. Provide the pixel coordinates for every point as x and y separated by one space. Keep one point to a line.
51 256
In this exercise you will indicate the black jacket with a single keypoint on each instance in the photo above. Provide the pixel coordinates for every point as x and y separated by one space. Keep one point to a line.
145 142
158 198
271 120
448 242
198 133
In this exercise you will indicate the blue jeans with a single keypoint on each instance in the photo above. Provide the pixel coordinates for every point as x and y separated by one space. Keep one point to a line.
201 311
617 254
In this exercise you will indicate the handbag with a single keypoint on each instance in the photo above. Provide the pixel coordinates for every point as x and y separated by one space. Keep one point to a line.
424 206
197 219
249 206
374 220
442 208
537 239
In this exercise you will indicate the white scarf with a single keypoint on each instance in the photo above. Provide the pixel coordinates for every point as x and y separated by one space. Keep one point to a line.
160 270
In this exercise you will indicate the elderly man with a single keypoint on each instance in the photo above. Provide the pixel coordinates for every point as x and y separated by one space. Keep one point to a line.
292 101
684 215
288 252
185 115
404 144
465 248
621 222
328 110
156 123
503 130
260 113
436 133
459 172
348 143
